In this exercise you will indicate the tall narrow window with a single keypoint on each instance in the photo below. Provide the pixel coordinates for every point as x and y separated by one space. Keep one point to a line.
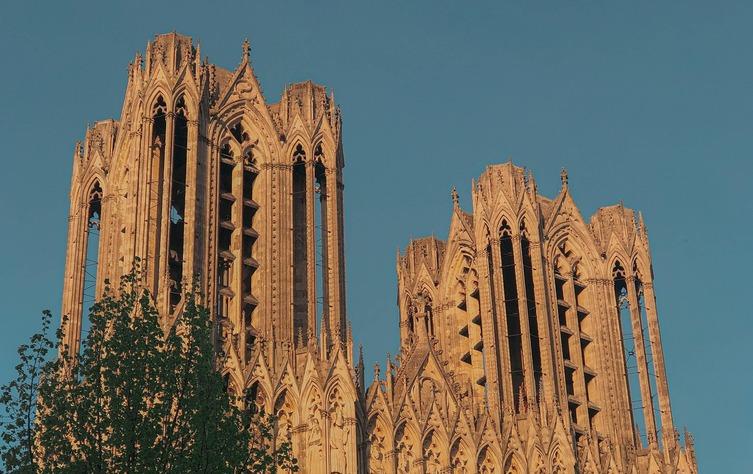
476 330
156 179
586 331
493 305
560 282
91 258
178 203
248 247
300 241
628 345
320 232
514 335
533 325
647 346
225 228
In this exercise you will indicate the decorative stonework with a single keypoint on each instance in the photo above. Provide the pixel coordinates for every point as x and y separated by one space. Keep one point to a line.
511 331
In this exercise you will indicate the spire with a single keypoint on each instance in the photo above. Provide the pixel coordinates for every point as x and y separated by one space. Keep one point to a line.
563 177
323 336
197 60
246 51
360 367
455 197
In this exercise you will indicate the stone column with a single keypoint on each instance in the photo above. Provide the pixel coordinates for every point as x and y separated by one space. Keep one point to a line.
191 265
661 375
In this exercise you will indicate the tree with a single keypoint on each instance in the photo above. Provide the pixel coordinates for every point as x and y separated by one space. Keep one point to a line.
144 395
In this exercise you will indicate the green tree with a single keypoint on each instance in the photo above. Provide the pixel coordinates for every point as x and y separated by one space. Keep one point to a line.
141 397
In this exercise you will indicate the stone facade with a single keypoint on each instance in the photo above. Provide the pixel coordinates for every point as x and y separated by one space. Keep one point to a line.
512 356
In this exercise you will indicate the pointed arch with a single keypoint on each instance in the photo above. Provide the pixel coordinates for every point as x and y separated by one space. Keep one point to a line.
285 412
461 456
434 451
514 464
557 464
407 447
488 461
191 101
379 444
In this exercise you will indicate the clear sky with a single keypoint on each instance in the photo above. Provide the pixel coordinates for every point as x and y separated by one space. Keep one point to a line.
646 102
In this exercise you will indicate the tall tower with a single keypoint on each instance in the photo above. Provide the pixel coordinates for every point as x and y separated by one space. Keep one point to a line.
529 343
203 180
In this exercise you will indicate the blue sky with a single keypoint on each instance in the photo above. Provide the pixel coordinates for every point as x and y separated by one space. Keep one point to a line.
646 102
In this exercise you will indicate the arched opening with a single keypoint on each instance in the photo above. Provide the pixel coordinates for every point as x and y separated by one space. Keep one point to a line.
514 333
156 180
178 203
320 234
533 325
249 239
300 243
91 257
648 349
630 359
225 228
577 333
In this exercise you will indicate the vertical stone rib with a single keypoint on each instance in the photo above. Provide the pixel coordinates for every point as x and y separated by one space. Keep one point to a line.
190 233
657 351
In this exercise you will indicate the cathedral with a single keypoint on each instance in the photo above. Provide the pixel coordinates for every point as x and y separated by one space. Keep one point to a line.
529 338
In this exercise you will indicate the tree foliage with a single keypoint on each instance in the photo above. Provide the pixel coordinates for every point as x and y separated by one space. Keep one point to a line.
142 396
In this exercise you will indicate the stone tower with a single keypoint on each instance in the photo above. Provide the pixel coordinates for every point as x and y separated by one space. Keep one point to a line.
202 178
529 339
529 344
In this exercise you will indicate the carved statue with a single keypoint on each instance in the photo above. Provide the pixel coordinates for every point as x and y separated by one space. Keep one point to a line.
314 442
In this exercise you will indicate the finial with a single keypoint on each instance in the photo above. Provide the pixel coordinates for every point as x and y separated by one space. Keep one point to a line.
246 49
455 197
563 177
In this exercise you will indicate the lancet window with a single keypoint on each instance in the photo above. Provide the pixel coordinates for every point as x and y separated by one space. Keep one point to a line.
512 312
237 235
533 325
577 330
225 228
310 289
632 378
90 263
158 139
300 241
471 329
320 232
178 202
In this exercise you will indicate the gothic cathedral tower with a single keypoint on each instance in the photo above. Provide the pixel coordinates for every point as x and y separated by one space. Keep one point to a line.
203 180
529 339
